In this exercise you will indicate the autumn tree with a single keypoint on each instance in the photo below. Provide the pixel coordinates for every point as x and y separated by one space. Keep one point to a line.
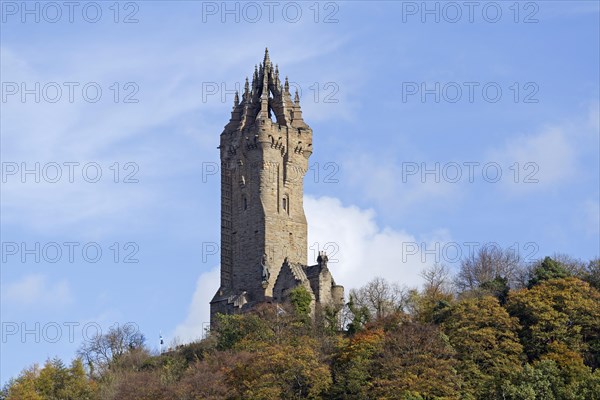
415 361
104 350
141 385
559 311
278 371
204 380
486 341
53 381
395 358
353 365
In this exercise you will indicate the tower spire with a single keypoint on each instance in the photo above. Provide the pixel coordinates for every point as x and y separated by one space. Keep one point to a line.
266 60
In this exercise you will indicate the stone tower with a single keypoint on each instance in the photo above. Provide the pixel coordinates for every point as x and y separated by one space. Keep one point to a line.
264 149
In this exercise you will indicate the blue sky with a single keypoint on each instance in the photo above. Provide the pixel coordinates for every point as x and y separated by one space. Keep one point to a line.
390 90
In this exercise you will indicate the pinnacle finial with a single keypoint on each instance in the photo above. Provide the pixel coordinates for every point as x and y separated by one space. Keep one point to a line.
287 85
236 99
246 86
296 97
267 60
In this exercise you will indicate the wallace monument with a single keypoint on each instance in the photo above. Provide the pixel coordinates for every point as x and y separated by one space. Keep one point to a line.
264 156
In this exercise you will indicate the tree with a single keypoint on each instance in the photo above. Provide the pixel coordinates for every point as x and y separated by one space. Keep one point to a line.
559 311
415 361
104 350
273 371
377 299
486 341
352 367
204 380
236 331
141 385
301 299
488 263
498 288
53 381
544 380
591 273
394 358
545 270
437 280
435 296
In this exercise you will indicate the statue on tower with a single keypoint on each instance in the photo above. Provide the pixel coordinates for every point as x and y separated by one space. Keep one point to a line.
265 270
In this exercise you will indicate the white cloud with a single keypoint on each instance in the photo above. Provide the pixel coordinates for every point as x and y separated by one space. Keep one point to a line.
35 290
363 249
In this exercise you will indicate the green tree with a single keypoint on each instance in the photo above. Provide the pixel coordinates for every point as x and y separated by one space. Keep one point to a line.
301 299
497 287
544 380
547 269
232 330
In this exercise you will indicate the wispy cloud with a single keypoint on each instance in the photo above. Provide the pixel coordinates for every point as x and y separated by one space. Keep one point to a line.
35 290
